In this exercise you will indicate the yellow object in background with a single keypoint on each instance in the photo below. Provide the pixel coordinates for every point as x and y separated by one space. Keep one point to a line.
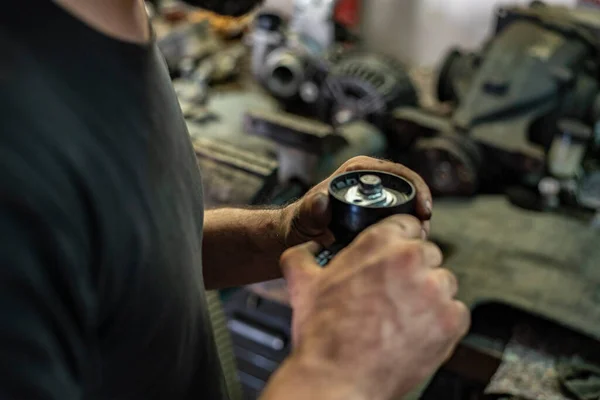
223 25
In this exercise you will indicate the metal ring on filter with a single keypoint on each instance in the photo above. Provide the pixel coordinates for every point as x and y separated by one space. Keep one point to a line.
370 192
362 198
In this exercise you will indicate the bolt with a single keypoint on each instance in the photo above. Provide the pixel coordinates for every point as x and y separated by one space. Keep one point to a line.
309 92
549 188
344 116
370 185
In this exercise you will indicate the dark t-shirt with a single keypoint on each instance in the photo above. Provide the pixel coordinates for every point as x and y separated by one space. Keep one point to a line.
101 289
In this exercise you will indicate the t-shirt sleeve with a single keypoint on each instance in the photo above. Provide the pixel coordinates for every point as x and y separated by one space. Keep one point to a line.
42 332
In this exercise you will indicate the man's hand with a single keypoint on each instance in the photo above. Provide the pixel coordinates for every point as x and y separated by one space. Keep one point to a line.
308 218
373 324
259 237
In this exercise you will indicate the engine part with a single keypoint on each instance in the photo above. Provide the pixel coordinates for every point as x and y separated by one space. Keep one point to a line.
359 199
454 75
589 191
522 106
515 354
283 73
449 163
565 157
233 175
316 79
349 86
293 64
267 35
527 370
284 57
549 189
579 378
191 94
313 23
302 144
231 8
188 43
226 63
218 67
308 150
366 85
261 334
309 92
292 131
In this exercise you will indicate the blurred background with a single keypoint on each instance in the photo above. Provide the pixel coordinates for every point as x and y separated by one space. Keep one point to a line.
495 104
433 26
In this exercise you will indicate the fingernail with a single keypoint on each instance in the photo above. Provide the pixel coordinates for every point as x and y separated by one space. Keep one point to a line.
428 206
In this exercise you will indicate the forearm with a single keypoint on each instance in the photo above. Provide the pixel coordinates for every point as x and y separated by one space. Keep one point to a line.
300 379
242 246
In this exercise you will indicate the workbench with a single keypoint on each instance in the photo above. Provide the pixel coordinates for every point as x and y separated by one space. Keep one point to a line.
545 264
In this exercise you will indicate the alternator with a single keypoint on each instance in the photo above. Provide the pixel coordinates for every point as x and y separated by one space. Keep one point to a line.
365 85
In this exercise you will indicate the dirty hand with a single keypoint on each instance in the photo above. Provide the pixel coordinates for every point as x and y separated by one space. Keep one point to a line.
381 317
308 218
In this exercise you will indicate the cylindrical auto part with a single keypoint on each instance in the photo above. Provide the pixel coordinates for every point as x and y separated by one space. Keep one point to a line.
549 189
568 148
445 84
360 199
283 73
265 38
449 164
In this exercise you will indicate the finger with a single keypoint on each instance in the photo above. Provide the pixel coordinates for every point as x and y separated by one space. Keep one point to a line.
298 264
459 318
409 226
389 232
314 215
464 318
425 229
432 255
424 198
447 282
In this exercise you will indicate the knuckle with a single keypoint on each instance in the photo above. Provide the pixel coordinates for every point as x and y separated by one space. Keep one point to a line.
409 223
288 257
464 316
416 178
449 324
409 254
386 231
410 220
455 320
434 255
451 281
432 289
378 234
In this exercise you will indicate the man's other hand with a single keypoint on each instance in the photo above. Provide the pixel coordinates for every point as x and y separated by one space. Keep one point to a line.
308 218
380 318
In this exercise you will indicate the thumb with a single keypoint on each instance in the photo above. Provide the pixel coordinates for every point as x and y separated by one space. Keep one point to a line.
300 268
314 214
